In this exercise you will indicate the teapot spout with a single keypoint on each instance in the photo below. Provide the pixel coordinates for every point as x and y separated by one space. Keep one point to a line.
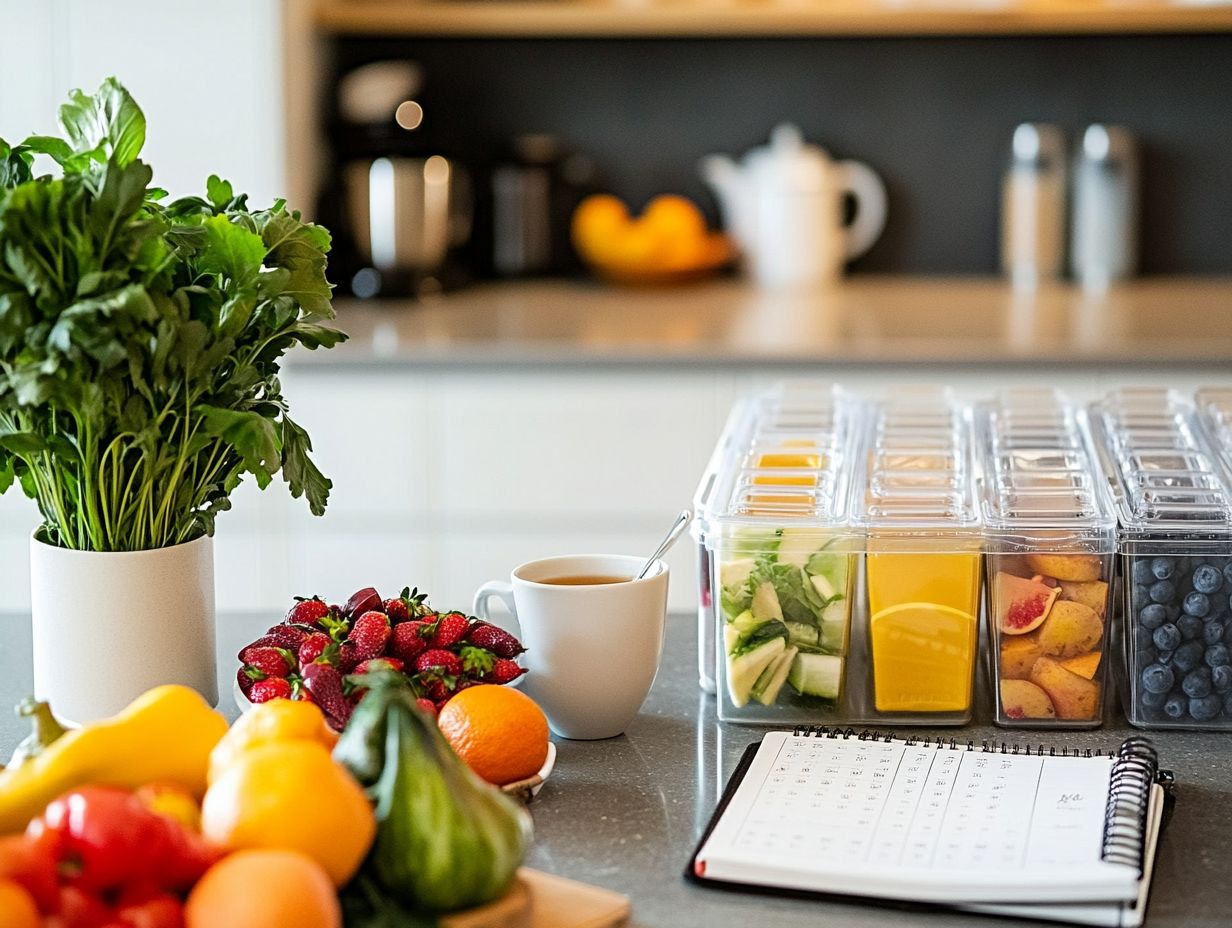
729 185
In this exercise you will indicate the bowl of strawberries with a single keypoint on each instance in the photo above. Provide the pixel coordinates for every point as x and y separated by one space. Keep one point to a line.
320 653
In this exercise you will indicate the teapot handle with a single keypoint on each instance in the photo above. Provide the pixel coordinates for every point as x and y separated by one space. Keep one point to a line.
869 192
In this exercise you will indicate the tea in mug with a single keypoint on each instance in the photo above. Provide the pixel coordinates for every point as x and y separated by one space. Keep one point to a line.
585 580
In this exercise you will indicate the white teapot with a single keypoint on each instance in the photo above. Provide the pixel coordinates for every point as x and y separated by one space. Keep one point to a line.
784 206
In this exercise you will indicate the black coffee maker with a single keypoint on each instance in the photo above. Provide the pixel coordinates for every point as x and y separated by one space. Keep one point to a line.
398 194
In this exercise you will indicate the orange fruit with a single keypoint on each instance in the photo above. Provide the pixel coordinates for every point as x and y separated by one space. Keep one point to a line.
276 720
599 223
675 217
264 889
291 795
500 733
17 906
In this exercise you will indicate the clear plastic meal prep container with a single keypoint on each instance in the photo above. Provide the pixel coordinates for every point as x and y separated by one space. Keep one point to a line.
1167 461
776 552
839 553
1050 539
922 569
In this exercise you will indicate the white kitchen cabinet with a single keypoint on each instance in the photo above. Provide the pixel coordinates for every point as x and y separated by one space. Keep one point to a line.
617 446
446 478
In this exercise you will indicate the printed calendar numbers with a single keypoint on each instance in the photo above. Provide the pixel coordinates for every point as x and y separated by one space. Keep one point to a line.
898 805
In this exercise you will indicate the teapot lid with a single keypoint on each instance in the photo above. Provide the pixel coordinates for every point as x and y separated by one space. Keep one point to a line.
789 160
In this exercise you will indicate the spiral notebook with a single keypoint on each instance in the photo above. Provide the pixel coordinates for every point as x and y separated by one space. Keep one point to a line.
1049 834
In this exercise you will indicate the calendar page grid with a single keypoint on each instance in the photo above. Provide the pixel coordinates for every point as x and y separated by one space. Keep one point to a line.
893 805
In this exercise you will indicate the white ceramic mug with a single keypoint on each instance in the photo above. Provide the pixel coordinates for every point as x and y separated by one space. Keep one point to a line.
592 651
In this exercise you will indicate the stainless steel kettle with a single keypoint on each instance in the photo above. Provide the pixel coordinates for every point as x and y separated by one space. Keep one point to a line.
408 213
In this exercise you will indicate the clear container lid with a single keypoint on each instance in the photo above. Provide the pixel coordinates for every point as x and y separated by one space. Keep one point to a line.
1215 407
1166 475
1041 482
919 469
785 457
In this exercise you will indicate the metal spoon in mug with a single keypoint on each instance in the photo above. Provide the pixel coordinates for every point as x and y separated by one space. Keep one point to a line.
668 540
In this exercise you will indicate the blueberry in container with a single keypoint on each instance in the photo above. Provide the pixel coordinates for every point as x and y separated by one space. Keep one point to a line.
1167 460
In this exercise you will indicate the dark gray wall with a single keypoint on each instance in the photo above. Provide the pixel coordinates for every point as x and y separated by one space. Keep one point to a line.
932 115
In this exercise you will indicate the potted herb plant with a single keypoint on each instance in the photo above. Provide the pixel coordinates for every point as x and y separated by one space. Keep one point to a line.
140 343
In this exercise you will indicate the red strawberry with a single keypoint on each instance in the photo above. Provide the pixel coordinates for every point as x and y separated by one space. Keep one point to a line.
476 661
397 611
437 691
410 604
288 636
450 629
306 611
407 643
325 685
379 663
503 671
348 657
438 660
361 601
312 648
272 662
427 705
270 688
265 641
494 639
245 681
370 633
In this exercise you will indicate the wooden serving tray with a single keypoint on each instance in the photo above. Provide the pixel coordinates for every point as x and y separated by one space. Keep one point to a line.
544 900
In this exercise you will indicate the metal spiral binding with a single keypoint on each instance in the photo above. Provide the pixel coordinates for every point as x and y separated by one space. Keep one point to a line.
940 742
1134 771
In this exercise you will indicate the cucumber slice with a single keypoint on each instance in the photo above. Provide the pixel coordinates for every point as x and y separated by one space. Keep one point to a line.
770 683
766 602
835 621
803 634
743 671
734 574
745 621
816 675
833 565
799 545
825 589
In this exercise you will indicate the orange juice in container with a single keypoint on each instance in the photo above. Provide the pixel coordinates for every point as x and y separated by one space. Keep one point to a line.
923 560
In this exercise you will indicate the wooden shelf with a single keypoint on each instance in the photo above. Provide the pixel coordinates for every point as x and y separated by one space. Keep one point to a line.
735 18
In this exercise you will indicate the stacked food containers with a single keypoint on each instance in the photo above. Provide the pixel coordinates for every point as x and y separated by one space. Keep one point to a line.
776 546
844 545
922 570
840 560
1050 535
1168 465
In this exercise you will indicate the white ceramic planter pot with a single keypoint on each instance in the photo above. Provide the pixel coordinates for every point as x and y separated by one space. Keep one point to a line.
110 625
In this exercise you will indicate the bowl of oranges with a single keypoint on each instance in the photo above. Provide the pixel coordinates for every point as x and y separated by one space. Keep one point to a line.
668 243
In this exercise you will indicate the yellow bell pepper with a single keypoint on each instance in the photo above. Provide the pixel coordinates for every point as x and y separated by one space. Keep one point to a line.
165 735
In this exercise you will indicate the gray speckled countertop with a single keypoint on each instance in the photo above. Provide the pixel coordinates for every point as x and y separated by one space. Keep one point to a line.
625 813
